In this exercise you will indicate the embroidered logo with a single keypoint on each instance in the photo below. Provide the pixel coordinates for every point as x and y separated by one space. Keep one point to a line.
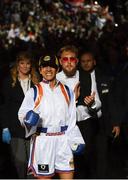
47 58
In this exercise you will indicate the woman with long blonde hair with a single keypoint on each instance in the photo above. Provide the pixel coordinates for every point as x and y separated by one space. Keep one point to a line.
22 76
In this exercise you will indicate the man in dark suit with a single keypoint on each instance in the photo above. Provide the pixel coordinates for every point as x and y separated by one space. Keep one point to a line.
93 116
119 111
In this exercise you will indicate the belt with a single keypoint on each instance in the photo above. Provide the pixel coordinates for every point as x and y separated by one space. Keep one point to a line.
55 134
45 130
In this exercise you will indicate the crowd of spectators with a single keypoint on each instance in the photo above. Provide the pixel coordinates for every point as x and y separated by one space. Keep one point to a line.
29 21
38 25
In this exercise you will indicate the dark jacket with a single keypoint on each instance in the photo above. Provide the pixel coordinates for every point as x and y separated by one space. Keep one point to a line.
13 97
119 97
103 85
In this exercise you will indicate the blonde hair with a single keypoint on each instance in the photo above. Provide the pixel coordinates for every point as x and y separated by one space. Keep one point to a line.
71 48
14 71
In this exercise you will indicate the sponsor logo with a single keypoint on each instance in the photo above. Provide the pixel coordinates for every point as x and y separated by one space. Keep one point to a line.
43 168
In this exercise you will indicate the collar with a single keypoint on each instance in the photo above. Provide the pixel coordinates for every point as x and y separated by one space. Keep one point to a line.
47 82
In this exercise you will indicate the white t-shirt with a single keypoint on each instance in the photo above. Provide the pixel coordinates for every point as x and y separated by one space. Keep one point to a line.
69 81
25 84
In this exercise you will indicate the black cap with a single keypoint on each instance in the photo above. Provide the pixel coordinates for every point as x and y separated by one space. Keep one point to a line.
49 60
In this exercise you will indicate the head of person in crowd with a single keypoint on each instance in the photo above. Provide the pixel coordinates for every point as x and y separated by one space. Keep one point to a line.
87 61
48 67
68 59
24 68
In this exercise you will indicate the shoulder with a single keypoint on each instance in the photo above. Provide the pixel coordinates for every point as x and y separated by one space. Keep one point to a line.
83 74
102 75
7 81
66 88
60 74
37 86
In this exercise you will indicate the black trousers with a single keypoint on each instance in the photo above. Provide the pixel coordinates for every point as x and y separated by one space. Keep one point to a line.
104 158
85 164
7 170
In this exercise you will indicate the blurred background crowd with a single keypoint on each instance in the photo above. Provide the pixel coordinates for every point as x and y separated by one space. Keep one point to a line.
37 25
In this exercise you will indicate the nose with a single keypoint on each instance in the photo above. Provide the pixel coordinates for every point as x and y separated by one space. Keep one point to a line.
48 68
25 65
69 60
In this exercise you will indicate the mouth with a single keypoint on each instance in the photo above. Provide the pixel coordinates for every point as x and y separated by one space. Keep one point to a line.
69 67
25 69
48 74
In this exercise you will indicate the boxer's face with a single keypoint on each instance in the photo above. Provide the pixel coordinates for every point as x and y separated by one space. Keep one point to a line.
48 73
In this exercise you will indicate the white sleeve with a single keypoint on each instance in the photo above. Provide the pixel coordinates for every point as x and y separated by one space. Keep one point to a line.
27 105
96 105
82 113
73 132
72 112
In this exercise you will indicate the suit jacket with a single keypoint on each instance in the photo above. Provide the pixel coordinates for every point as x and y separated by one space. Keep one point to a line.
119 97
103 84
13 97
